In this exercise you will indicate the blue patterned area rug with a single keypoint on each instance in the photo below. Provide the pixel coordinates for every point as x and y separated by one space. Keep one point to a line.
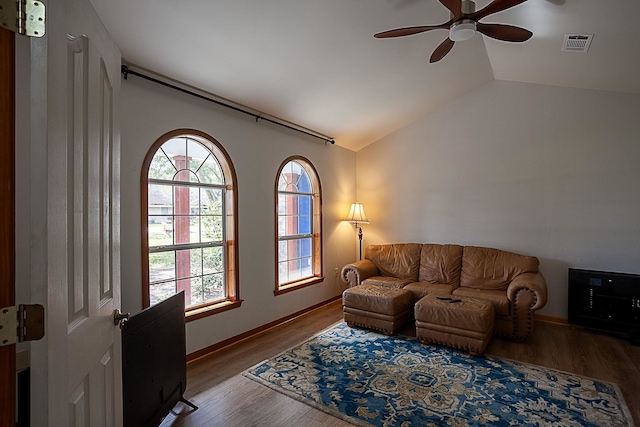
370 379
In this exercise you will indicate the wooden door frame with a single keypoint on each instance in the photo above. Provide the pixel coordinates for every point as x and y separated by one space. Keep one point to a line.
7 219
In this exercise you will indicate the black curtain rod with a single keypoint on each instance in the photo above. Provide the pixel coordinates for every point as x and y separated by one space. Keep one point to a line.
126 72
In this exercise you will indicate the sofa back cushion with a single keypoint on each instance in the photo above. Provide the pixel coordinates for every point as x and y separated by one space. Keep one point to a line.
486 268
440 264
400 260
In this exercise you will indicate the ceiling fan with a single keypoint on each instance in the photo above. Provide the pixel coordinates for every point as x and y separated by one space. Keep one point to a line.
464 24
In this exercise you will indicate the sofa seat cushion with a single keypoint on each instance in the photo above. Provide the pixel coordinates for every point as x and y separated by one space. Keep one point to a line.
386 281
497 298
421 289
400 260
487 268
440 264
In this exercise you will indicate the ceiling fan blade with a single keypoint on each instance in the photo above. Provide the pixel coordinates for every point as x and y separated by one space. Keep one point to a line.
442 50
508 33
493 7
454 6
407 31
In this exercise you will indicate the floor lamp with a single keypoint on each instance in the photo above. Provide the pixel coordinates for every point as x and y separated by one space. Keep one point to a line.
357 216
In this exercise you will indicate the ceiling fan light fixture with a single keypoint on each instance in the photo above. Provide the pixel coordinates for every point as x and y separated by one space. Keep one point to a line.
462 30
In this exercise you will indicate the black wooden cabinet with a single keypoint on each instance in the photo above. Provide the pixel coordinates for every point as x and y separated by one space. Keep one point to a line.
606 301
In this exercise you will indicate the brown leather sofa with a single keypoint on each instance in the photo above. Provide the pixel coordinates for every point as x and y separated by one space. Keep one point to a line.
511 282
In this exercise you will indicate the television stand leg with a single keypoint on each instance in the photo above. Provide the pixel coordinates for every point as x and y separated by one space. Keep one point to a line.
186 402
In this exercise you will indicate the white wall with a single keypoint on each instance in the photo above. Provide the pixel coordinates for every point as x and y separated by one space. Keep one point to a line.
257 150
544 171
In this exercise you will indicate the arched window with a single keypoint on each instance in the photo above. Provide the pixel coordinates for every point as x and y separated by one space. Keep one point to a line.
189 222
299 235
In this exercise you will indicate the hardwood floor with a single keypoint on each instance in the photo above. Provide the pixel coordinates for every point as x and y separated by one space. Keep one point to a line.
226 398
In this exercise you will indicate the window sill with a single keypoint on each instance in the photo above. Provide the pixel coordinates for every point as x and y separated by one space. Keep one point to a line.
298 285
209 310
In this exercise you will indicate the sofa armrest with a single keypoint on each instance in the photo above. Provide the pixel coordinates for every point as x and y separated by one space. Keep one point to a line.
533 282
356 272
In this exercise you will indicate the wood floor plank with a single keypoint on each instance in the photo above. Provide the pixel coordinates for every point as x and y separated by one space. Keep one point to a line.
226 398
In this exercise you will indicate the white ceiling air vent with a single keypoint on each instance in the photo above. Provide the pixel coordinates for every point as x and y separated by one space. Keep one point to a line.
576 42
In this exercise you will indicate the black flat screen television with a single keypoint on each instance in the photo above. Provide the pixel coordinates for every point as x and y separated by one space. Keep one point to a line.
154 370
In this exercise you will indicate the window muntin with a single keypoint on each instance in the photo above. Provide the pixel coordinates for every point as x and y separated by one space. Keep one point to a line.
298 225
190 206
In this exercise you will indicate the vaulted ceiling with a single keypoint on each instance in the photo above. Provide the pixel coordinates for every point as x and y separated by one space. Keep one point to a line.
317 64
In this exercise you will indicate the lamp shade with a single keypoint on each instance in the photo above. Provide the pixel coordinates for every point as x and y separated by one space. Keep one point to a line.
356 214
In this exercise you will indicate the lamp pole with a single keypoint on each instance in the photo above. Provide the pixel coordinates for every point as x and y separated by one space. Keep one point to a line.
359 238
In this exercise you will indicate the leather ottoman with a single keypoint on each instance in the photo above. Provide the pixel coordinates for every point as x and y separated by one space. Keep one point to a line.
460 322
377 307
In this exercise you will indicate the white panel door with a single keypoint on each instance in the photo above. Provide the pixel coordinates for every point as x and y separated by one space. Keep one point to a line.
76 220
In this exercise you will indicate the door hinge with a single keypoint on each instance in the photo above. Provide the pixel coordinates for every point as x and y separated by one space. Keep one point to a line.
26 17
22 323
